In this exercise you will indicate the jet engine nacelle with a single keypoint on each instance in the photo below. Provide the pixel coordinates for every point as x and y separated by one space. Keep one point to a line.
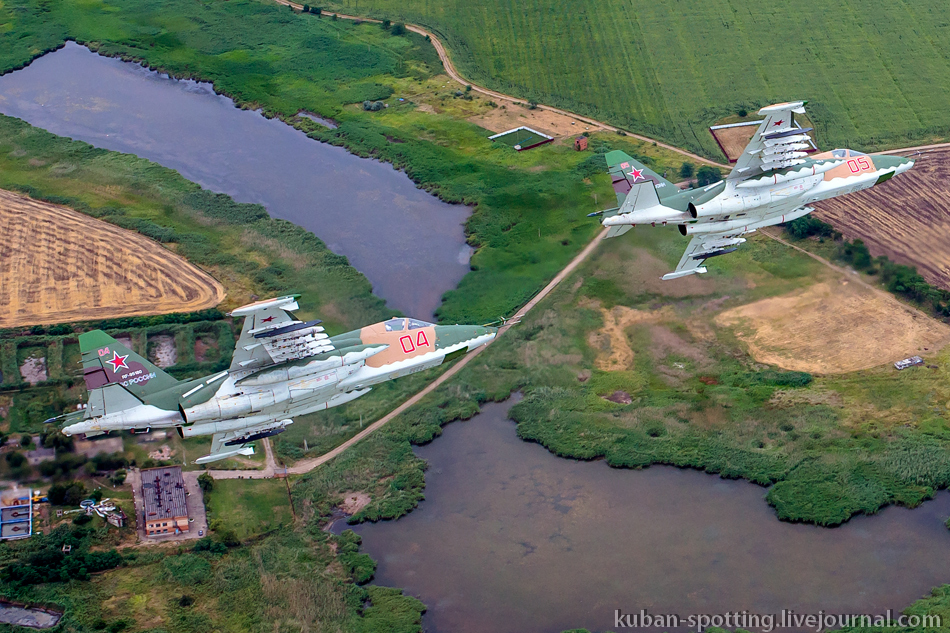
719 205
252 400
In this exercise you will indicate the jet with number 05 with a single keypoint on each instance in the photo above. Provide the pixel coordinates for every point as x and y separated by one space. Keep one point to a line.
282 368
772 182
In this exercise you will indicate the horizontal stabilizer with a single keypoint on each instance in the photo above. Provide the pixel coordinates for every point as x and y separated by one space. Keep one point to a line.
618 229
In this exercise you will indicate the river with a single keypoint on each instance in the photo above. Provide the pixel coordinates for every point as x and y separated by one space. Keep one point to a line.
511 538
408 243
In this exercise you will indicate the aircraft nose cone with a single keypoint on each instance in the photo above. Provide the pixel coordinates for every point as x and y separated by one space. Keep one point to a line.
905 164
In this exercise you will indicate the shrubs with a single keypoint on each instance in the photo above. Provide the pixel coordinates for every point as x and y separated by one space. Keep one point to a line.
809 225
360 566
43 560
67 494
373 106
707 175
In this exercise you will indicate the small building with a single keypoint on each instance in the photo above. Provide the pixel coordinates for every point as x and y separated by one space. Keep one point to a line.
166 510
909 362
580 143
116 518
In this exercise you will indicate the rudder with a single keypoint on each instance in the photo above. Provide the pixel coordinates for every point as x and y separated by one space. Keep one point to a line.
105 361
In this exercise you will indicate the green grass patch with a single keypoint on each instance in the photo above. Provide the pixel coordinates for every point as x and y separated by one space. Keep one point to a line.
249 507
670 73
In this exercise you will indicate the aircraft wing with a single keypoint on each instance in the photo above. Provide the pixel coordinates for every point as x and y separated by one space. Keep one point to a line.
778 142
701 248
271 334
625 172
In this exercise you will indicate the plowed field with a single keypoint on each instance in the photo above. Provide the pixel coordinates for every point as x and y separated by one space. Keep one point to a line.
906 218
58 265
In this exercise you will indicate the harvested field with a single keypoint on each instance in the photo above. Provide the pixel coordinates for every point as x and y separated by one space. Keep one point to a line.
511 116
733 140
833 327
58 265
906 218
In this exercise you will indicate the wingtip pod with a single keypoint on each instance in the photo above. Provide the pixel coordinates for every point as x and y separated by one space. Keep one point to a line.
798 107
684 273
246 451
288 302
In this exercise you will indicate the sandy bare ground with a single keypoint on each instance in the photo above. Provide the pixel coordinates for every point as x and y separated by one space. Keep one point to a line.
833 327
353 502
611 340
163 353
33 370
906 218
58 265
554 124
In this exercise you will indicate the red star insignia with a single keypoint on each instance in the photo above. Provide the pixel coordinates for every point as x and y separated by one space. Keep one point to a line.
637 174
267 320
117 362
779 122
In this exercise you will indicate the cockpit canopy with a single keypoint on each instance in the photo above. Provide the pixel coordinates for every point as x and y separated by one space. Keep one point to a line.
399 324
845 153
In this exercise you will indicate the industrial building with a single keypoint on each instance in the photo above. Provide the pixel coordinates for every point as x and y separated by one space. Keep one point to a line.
166 511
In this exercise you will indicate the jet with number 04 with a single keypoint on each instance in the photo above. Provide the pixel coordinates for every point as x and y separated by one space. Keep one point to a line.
282 368
772 182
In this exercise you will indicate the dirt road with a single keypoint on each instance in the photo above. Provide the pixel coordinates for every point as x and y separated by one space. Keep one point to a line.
452 72
306 465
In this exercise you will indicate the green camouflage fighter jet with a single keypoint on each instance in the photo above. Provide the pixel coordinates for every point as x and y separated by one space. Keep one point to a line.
282 368
772 182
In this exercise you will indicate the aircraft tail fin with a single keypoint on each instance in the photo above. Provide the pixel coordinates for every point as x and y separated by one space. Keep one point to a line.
107 362
625 172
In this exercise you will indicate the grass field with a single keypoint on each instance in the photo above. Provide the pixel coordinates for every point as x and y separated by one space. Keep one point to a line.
57 265
687 389
528 219
907 218
250 507
876 74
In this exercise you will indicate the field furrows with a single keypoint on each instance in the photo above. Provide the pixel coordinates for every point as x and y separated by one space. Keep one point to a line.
906 218
58 265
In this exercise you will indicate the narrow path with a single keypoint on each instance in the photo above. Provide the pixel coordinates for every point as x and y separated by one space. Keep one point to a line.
452 72
306 465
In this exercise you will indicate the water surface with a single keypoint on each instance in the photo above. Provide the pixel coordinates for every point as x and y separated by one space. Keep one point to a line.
513 539
408 243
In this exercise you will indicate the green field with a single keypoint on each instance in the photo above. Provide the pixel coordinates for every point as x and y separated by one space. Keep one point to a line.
876 74
249 507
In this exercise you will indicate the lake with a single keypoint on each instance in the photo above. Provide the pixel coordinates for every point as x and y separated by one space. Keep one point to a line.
513 539
408 243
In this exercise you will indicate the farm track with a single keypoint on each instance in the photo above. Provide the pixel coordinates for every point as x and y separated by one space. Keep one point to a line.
58 265
306 465
452 72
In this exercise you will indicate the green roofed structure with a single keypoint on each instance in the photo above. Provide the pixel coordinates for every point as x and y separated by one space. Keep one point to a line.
522 138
